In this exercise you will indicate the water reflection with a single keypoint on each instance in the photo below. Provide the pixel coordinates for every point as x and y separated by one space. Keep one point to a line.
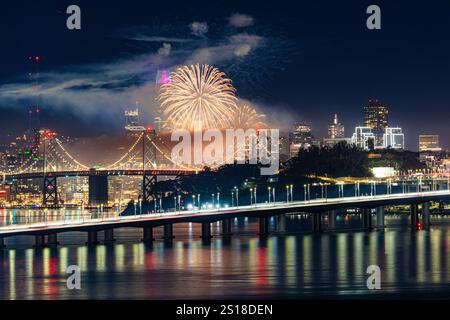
296 265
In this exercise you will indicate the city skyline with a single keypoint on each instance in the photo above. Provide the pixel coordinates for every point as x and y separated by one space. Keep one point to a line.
295 78
225 158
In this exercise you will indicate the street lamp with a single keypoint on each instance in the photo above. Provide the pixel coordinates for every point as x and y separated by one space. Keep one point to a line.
341 189
287 194
255 195
291 187
268 190
273 195
237 196
232 198
251 196
218 199
193 202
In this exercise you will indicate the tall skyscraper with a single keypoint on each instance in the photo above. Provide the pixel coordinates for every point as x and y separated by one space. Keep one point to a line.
132 122
376 118
300 138
336 129
429 142
302 135
394 138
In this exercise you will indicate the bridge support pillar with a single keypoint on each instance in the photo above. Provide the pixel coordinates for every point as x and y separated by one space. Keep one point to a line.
367 219
316 218
263 226
168 232
380 217
281 223
148 235
98 189
206 231
109 236
226 227
52 239
92 238
414 215
39 241
426 218
50 191
441 207
147 186
331 219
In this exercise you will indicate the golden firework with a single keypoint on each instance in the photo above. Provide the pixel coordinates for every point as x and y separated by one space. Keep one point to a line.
246 117
198 93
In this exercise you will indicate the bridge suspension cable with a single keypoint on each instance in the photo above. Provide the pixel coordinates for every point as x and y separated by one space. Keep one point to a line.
113 165
58 142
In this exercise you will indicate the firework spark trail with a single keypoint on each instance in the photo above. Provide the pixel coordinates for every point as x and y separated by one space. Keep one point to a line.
246 117
198 94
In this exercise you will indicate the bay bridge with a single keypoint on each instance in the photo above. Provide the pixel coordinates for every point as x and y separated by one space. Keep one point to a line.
57 162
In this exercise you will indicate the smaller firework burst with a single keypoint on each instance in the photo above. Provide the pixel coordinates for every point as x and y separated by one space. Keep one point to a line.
246 117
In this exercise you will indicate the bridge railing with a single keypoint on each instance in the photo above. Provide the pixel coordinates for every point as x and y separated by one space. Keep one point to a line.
104 219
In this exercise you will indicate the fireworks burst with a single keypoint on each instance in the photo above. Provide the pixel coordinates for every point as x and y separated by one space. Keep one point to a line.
197 93
246 117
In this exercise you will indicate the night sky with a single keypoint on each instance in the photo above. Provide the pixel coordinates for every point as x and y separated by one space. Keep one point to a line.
295 61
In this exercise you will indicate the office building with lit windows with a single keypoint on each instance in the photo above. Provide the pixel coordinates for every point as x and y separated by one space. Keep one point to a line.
336 130
300 138
429 142
376 118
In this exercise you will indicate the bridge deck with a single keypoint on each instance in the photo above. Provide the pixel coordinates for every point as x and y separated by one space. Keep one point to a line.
259 210
85 173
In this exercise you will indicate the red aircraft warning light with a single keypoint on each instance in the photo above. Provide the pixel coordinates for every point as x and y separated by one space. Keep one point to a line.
49 134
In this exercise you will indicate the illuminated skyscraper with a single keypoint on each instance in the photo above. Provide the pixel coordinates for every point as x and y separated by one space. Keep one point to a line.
300 138
376 118
132 123
335 129
302 135
363 138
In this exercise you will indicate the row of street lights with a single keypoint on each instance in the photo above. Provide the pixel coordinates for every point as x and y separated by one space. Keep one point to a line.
271 194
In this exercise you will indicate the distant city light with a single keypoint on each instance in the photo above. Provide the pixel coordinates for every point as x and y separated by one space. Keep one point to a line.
383 172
